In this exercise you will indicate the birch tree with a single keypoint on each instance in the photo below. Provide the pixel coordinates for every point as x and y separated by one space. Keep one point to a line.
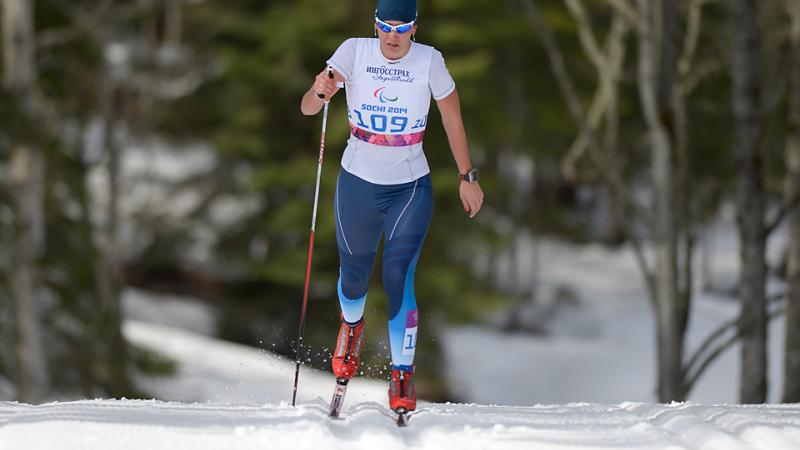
26 170
655 80
667 76
108 274
122 83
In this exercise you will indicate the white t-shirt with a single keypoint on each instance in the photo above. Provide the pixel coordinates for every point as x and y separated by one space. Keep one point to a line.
388 103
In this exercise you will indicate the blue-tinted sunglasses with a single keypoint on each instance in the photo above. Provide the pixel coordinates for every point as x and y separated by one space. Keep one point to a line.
400 29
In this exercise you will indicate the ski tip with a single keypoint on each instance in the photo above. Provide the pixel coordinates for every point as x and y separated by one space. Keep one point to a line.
402 417
335 411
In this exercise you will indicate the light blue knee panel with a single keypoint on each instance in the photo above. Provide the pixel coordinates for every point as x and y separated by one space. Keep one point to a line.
352 309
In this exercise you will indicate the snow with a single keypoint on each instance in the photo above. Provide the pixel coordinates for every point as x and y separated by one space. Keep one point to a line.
175 311
603 349
245 394
155 425
613 361
215 371
228 395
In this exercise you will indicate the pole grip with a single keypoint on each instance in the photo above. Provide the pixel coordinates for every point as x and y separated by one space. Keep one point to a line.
330 75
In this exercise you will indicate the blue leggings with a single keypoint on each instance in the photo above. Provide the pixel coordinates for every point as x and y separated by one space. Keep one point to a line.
401 213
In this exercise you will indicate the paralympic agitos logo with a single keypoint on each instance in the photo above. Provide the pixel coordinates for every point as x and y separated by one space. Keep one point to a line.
383 97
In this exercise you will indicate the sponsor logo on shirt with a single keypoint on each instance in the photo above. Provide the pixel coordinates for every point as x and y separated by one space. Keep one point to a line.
385 74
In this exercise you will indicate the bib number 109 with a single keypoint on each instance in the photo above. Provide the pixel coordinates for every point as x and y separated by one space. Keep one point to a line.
392 124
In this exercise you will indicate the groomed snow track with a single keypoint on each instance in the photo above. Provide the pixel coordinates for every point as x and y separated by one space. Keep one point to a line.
155 425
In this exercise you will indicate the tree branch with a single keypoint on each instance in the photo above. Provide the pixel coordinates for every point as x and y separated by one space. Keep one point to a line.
692 380
93 22
563 80
647 68
609 66
694 78
625 10
784 211
569 93
609 176
585 33
793 8
693 26
83 22
692 374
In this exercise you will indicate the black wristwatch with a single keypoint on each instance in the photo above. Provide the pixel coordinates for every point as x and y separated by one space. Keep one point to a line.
470 177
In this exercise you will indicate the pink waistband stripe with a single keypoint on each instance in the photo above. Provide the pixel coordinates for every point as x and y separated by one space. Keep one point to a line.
386 140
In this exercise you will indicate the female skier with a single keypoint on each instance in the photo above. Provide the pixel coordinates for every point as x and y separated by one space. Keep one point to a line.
384 186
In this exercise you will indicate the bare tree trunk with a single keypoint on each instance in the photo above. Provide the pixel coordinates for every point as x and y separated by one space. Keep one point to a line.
27 180
656 64
109 279
681 127
791 386
707 251
173 19
750 200
656 24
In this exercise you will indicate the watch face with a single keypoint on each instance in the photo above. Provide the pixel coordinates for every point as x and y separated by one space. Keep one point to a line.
471 176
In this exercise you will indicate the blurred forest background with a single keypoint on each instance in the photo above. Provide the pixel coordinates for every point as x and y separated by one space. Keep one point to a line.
623 122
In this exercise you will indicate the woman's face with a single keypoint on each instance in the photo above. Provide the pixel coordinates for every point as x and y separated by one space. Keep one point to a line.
395 45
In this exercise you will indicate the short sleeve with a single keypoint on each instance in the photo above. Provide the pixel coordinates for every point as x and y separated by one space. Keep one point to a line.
441 83
344 58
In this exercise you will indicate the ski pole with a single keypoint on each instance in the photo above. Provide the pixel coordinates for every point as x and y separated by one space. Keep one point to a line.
311 240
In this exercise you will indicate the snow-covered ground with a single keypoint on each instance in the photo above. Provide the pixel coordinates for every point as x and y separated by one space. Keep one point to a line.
603 349
215 371
244 404
153 425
